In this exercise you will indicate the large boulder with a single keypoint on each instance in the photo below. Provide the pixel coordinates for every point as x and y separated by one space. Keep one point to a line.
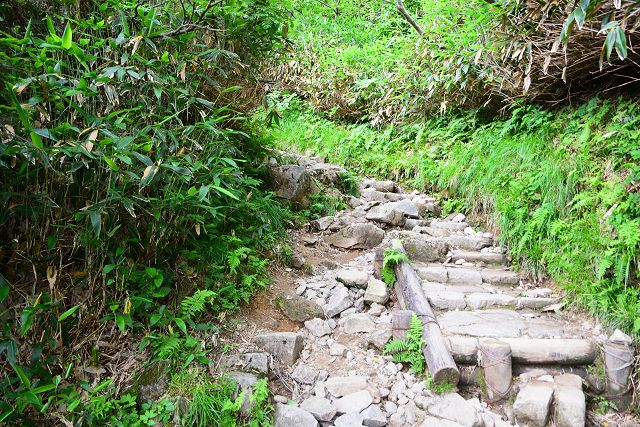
292 182
387 214
357 236
420 248
297 308
283 346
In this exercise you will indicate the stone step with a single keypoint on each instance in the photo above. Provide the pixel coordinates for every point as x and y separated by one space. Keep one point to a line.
469 243
448 225
466 276
500 323
454 299
492 258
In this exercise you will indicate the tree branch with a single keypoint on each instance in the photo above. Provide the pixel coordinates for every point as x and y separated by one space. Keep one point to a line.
409 18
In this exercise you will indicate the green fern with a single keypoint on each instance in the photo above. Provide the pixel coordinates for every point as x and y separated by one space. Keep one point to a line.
392 257
196 303
168 346
409 350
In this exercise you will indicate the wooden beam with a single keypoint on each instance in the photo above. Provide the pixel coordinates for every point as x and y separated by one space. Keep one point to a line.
441 365
408 17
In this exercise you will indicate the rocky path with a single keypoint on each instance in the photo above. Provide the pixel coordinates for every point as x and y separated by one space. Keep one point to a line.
329 368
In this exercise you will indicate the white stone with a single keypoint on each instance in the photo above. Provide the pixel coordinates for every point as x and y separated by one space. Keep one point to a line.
338 302
373 417
453 407
354 402
337 349
288 416
353 277
359 322
320 408
533 403
304 374
377 292
340 386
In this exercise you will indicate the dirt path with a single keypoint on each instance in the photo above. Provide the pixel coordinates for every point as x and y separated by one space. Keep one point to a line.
325 324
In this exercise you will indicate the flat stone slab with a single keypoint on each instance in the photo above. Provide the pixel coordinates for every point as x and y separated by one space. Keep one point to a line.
433 273
544 328
353 277
357 236
470 243
320 408
359 323
354 402
485 323
447 300
475 256
464 276
485 300
448 225
500 277
340 386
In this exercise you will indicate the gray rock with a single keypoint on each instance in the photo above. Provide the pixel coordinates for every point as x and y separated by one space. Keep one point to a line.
354 402
246 381
619 337
473 256
352 419
454 407
438 422
284 346
304 374
447 300
484 300
411 223
386 214
471 243
152 382
372 195
353 277
390 407
570 403
292 416
449 225
485 323
532 405
380 337
323 223
255 362
292 182
297 308
317 327
373 417
338 302
433 273
535 303
340 386
464 276
357 236
359 322
384 186
419 247
500 277
337 349
408 208
377 292
320 408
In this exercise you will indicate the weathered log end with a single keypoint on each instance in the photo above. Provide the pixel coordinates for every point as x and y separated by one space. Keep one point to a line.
446 375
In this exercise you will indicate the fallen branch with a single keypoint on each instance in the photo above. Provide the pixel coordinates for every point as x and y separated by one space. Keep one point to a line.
409 18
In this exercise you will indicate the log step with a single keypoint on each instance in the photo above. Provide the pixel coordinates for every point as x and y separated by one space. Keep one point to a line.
529 351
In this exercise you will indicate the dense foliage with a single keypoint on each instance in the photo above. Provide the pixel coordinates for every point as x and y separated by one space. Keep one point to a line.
131 189
562 186
363 61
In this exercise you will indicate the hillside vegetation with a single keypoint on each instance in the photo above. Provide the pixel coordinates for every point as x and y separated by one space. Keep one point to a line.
465 109
132 201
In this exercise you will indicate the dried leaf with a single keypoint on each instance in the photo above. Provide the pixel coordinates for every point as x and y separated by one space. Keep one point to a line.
198 229
547 62
93 135
183 73
52 275
527 83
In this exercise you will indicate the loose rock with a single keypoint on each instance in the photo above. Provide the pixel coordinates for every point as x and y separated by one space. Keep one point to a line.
284 346
289 416
377 292
353 277
320 408
533 403
354 402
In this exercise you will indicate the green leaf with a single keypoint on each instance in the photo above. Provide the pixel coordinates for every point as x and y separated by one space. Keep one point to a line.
26 319
181 324
36 139
609 43
67 37
96 221
225 191
111 164
4 288
108 268
22 375
120 322
68 313
621 43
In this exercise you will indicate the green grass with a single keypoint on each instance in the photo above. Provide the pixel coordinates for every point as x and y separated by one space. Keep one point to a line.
561 186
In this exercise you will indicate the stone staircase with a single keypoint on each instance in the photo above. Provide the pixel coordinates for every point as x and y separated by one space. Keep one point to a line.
333 367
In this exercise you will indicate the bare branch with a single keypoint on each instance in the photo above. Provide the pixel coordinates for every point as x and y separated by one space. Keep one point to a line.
408 17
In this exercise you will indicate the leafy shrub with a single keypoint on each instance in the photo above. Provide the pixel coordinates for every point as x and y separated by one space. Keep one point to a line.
129 180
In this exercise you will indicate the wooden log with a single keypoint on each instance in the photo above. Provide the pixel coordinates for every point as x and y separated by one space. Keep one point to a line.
618 364
400 323
495 359
529 351
441 365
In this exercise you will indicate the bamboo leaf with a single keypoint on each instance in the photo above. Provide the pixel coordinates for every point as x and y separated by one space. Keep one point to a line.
68 313
67 37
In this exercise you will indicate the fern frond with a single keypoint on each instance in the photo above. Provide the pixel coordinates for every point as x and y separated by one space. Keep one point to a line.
196 303
392 257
